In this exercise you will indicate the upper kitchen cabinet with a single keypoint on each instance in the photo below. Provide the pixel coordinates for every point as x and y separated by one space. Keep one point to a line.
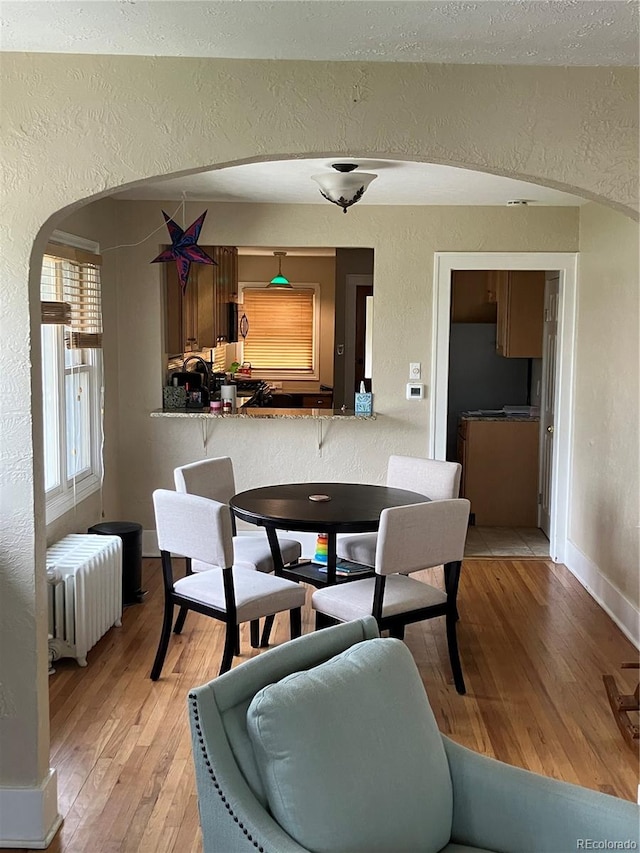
204 315
520 301
473 297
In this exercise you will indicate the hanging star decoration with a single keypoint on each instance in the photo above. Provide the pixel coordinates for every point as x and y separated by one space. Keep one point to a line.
184 250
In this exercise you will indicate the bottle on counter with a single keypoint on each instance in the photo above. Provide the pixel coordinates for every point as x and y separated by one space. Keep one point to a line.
228 393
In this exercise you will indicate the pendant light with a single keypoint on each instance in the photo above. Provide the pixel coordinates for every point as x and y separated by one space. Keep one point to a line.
279 280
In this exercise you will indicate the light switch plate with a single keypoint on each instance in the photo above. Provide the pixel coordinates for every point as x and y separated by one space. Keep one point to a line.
415 370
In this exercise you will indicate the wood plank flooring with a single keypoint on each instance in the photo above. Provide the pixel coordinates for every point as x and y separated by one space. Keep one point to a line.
533 645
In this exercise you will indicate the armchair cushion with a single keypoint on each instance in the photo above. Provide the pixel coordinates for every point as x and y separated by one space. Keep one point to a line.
343 770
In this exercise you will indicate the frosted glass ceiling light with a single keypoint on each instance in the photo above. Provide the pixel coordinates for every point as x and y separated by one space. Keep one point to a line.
342 187
279 280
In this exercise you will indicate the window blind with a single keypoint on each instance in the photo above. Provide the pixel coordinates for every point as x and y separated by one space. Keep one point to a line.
280 333
70 294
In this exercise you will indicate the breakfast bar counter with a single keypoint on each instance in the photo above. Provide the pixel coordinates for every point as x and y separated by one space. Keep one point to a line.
264 412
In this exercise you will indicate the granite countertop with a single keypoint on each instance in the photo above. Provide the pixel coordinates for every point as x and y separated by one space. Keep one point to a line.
259 412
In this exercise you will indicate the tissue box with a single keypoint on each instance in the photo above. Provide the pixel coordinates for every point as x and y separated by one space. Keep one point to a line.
364 403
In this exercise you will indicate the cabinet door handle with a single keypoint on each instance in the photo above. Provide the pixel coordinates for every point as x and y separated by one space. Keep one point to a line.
550 428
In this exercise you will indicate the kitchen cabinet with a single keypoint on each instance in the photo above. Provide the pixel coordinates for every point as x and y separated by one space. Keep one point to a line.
473 298
202 316
500 470
520 312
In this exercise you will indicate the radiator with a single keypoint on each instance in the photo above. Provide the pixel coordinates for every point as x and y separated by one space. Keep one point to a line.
84 574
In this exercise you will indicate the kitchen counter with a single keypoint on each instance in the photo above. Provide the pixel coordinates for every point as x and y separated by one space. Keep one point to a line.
259 412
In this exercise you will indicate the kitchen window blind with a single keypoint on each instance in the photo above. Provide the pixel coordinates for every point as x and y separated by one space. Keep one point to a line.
280 335
70 295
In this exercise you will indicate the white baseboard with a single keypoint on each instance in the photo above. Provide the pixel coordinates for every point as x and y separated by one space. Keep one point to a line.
620 609
29 816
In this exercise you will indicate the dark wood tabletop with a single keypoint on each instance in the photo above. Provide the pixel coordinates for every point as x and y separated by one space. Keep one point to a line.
351 508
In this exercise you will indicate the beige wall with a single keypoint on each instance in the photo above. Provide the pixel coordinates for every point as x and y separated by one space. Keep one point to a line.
77 126
605 484
302 270
404 240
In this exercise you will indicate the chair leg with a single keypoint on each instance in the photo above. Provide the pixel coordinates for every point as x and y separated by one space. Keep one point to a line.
454 657
182 615
323 621
254 628
164 640
397 631
266 631
237 646
230 641
295 621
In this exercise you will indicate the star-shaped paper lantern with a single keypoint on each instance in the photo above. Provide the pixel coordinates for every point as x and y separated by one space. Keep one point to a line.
184 250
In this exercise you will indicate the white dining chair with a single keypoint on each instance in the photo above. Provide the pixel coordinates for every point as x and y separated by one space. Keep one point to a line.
433 478
214 479
410 538
197 528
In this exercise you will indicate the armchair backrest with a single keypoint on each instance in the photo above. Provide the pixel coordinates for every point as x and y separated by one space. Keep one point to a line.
434 478
193 527
420 536
226 769
209 478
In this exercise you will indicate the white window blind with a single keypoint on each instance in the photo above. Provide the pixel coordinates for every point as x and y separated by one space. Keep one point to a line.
280 333
70 294
71 313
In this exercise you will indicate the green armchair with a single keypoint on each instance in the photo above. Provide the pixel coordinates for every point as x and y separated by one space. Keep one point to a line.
328 744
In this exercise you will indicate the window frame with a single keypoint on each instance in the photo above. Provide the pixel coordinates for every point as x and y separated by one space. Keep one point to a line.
284 373
69 491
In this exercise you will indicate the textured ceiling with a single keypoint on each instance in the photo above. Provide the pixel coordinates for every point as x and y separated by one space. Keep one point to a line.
513 32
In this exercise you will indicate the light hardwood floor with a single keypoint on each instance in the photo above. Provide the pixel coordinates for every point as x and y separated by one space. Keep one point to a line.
533 646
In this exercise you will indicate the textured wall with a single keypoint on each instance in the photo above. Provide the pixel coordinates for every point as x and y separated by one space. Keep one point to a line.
606 492
77 126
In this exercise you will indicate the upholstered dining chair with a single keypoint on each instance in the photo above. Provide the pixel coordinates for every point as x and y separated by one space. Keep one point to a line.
412 537
197 528
329 743
214 479
432 478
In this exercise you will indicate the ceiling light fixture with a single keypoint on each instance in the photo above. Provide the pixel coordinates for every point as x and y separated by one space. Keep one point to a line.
341 187
279 280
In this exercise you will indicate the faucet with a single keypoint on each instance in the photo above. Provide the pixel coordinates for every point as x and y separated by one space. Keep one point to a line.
201 360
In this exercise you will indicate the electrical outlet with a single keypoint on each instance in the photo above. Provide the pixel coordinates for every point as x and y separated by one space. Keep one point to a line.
415 370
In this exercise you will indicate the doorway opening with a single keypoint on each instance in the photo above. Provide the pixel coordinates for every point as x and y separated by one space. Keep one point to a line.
501 393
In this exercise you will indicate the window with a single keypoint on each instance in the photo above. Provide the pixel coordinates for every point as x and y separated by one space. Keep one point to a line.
71 372
282 334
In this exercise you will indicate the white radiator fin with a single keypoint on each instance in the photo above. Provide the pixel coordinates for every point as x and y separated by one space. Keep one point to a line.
85 592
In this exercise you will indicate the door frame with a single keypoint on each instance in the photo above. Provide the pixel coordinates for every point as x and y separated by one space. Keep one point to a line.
567 264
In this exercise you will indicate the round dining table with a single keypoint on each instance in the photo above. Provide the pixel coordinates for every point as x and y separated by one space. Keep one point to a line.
330 508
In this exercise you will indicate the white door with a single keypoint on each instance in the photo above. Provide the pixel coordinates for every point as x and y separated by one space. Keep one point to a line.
549 340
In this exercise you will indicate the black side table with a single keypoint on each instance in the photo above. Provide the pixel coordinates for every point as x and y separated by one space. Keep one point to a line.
131 534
